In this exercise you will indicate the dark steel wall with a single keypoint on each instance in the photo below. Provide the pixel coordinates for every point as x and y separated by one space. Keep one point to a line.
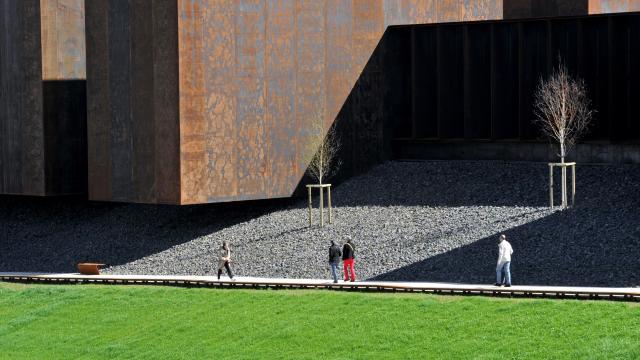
65 141
477 80
519 9
21 126
132 86
42 124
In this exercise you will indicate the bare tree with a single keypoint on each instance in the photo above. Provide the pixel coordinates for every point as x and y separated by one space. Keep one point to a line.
562 108
563 111
323 147
321 157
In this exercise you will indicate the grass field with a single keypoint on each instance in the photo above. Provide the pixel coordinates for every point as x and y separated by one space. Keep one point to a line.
125 322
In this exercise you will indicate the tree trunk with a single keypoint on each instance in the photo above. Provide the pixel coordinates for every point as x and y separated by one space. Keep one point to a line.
564 175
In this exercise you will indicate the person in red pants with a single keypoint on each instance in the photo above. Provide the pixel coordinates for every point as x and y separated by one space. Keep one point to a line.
348 257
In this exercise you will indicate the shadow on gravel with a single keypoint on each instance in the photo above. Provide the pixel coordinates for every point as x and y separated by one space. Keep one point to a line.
476 183
581 246
53 234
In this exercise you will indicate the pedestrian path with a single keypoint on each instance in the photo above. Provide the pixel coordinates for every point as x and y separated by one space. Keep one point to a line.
574 292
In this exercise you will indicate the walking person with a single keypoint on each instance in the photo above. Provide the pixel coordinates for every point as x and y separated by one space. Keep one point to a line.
334 259
224 258
503 268
348 258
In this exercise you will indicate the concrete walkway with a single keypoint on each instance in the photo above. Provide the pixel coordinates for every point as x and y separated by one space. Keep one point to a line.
626 294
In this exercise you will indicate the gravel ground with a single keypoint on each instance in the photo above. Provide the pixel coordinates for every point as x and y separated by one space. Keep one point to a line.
426 221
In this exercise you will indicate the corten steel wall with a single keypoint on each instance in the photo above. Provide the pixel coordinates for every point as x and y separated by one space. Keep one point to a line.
613 6
42 133
132 87
250 78
481 86
22 169
254 76
521 9
64 96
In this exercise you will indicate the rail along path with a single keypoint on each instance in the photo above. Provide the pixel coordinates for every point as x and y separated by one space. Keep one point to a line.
528 291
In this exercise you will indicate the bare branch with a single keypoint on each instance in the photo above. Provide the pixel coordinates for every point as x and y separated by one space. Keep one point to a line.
322 152
562 108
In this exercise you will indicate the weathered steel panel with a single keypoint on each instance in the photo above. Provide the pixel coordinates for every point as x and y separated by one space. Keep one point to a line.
368 27
474 10
21 126
142 85
220 106
121 143
251 145
98 101
402 12
613 6
192 100
280 70
65 128
63 39
33 157
339 49
166 101
449 10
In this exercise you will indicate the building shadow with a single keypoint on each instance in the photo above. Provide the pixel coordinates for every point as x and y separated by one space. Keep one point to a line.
581 246
54 234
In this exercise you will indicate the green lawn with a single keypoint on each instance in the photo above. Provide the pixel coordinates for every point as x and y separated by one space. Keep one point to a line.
93 321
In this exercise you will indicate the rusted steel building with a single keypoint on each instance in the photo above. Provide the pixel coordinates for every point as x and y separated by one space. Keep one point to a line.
195 101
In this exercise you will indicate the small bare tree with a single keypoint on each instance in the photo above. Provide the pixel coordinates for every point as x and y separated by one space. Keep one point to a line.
563 111
562 108
322 162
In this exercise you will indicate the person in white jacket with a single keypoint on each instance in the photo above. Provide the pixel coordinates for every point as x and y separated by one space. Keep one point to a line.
503 268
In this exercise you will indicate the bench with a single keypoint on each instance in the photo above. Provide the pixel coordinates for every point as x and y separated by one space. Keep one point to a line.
89 268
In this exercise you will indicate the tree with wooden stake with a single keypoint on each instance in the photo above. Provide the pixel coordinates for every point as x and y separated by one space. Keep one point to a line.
563 111
323 163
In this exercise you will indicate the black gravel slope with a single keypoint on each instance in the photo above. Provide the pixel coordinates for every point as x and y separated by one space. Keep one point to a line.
430 221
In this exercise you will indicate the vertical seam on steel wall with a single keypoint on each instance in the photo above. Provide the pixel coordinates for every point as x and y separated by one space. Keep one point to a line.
412 54
266 179
236 91
45 138
179 55
356 72
296 122
131 186
154 181
521 126
628 77
492 82
437 82
3 107
326 119
109 183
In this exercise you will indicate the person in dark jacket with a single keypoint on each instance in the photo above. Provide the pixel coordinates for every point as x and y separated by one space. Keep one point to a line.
334 259
348 258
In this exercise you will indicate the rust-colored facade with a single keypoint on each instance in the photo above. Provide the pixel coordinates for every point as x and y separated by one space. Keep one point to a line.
253 76
195 101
